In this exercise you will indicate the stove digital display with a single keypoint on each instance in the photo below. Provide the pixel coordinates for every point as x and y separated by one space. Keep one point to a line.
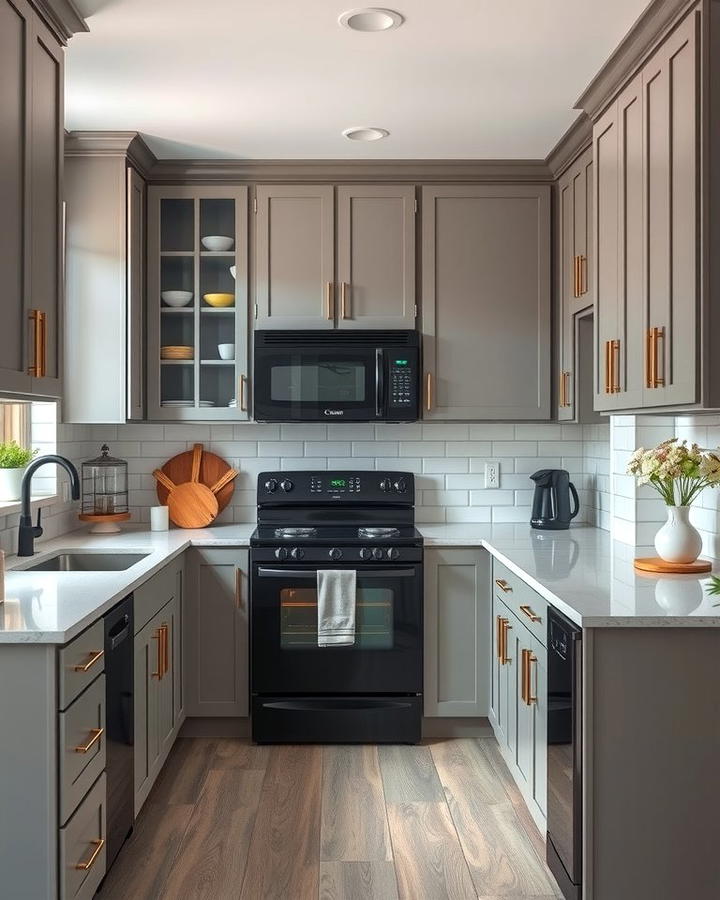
338 482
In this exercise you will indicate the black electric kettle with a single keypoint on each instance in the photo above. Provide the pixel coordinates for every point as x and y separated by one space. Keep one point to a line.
551 503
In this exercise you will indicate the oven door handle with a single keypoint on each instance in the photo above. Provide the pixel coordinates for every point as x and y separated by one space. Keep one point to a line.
312 573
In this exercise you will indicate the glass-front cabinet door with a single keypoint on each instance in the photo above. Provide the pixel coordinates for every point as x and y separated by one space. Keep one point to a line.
197 303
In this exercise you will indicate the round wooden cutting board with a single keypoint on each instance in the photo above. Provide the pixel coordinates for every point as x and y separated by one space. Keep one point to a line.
192 502
659 567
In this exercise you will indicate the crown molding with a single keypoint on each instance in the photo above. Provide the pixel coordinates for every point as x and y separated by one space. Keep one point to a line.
654 23
172 171
577 138
62 18
128 144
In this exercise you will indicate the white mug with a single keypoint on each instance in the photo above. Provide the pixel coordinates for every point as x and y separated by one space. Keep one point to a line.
226 351
159 518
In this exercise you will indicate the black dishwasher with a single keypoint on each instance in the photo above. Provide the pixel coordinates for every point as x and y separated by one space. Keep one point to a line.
564 754
119 729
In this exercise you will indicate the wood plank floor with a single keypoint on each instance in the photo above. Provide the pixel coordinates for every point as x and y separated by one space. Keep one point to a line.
231 821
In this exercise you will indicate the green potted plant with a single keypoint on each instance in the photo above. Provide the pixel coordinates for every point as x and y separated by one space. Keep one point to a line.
14 459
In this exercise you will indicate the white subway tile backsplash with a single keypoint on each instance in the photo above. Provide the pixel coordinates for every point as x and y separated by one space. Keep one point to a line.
492 497
492 432
527 466
470 482
412 431
301 432
279 448
327 448
445 465
457 514
358 463
445 498
362 431
514 448
559 448
374 448
441 432
422 448
404 464
550 432
468 448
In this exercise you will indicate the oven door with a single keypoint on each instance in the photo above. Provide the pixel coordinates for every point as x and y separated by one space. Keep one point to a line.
321 384
385 658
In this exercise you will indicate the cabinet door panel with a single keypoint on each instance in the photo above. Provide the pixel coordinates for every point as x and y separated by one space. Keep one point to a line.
499 687
46 159
671 207
376 256
135 295
145 719
538 683
294 256
566 278
166 683
216 634
15 39
456 633
486 301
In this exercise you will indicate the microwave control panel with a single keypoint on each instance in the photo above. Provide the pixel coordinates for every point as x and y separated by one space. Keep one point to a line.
403 382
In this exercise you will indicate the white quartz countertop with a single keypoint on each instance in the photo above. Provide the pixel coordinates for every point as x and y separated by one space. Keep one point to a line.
581 572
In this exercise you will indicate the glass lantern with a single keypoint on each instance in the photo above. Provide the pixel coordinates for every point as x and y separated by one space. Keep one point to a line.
105 491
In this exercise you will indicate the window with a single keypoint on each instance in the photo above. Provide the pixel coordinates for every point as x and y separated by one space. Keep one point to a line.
15 423
32 425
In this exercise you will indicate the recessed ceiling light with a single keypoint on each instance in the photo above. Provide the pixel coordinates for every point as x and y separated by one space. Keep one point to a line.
371 19
365 133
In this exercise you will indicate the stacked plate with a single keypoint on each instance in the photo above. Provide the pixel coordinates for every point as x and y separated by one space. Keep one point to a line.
177 352
185 404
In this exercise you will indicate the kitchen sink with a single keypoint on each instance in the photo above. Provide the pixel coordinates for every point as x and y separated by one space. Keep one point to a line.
85 562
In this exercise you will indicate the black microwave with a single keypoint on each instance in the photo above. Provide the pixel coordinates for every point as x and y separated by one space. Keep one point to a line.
336 376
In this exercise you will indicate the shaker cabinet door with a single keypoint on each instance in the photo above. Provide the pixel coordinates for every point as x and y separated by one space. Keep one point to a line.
376 256
486 302
294 257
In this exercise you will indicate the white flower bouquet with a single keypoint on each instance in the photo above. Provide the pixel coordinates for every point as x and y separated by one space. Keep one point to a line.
676 470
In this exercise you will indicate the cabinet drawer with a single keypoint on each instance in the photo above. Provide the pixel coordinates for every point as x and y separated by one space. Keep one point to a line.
155 593
526 603
82 846
81 661
81 730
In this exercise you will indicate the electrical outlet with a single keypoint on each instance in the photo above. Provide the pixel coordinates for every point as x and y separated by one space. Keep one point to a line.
65 488
492 475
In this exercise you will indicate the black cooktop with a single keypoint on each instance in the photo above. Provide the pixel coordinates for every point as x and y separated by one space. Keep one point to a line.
274 535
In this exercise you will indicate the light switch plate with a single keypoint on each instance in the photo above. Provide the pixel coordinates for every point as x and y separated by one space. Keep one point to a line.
492 475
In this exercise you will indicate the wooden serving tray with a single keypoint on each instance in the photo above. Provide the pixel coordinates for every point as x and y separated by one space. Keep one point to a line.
196 486
660 567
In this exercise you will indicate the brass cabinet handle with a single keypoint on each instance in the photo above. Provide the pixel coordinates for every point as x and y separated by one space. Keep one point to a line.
43 344
615 366
96 733
499 636
648 357
568 401
94 657
428 391
243 401
330 302
35 317
562 390
343 300
529 613
577 290
238 589
503 585
658 334
582 275
607 367
523 677
158 637
506 626
99 844
166 649
528 658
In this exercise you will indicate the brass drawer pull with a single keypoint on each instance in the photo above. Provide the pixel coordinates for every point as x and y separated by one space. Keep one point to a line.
158 636
96 733
99 844
96 655
503 585
506 626
529 613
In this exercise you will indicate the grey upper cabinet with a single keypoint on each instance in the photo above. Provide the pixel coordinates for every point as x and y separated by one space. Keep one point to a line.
105 227
574 265
376 256
197 336
649 335
31 102
486 301
216 633
456 632
294 256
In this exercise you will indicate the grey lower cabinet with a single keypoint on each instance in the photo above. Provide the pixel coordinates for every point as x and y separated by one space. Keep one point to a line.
456 616
159 710
31 164
216 656
518 705
105 255
573 277
486 307
649 196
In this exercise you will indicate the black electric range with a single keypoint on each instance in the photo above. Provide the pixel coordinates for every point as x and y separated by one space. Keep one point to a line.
370 691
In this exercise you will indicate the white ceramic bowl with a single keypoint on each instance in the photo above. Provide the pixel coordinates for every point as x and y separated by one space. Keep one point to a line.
177 298
226 351
232 271
217 242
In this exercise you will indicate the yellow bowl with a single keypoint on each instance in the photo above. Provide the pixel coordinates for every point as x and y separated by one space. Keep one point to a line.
219 299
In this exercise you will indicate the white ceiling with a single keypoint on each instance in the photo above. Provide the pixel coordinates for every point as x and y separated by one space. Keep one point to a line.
273 79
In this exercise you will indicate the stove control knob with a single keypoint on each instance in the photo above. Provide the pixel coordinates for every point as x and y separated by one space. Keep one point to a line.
271 485
281 553
377 553
335 553
400 486
393 553
386 484
365 553
286 485
297 553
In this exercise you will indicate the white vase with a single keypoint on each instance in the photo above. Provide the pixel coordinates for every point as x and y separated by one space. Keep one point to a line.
10 483
678 541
